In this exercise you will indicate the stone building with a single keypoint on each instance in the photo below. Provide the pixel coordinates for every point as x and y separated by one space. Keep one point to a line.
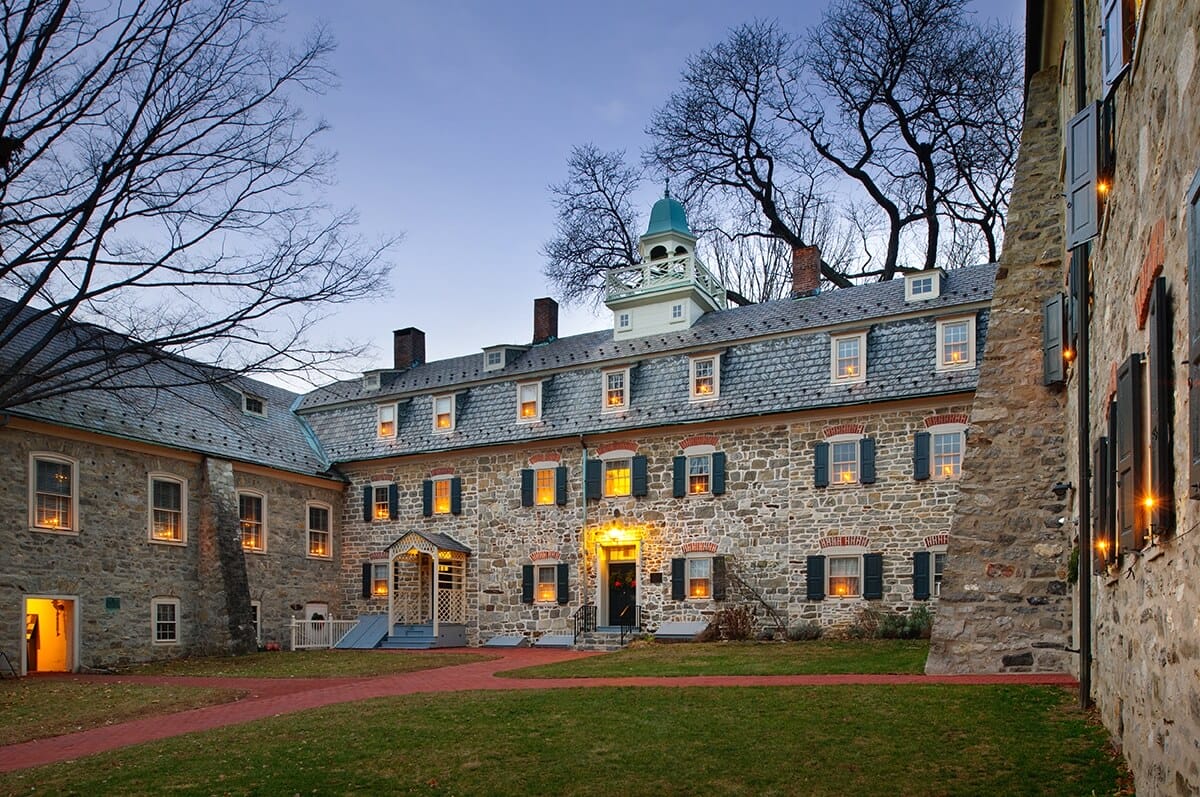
801 457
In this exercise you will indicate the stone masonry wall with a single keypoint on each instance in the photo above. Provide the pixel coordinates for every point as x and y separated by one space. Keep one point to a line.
1005 603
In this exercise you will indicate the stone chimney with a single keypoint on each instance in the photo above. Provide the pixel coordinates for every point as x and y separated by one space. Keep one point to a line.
806 271
545 320
408 345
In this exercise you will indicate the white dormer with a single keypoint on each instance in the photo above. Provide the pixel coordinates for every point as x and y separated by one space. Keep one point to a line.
922 285
495 358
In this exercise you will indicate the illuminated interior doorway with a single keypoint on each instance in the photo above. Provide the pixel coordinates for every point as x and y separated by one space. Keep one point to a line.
50 634
619 589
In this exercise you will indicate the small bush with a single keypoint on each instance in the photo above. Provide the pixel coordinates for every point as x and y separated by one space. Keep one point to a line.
914 625
808 630
736 623
865 624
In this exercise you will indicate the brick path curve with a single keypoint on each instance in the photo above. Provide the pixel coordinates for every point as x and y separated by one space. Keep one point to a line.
269 697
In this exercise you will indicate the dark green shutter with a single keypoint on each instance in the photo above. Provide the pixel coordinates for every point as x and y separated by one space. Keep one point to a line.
1110 510
366 579
1160 372
393 501
921 567
866 457
591 482
368 503
873 576
456 496
679 477
1053 313
921 456
641 482
1083 202
1102 530
677 576
720 580
564 584
427 498
815 578
1131 476
526 583
821 465
1193 289
560 485
527 487
718 473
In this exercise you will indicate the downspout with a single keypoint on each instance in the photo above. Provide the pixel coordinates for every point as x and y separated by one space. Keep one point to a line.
583 572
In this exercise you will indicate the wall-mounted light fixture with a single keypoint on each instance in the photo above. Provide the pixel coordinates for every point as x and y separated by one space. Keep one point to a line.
1060 489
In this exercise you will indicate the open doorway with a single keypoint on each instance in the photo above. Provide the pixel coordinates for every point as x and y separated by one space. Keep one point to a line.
50 634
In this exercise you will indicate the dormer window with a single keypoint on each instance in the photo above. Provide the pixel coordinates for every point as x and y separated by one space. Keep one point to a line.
443 413
386 420
622 320
370 382
253 405
677 312
616 390
922 285
848 355
529 402
705 377
955 343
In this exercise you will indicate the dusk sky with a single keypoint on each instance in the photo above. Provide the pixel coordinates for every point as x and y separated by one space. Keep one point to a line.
451 119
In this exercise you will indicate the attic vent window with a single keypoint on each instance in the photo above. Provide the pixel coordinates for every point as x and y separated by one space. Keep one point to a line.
253 405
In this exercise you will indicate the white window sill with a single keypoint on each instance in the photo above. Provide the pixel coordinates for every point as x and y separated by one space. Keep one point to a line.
60 532
170 543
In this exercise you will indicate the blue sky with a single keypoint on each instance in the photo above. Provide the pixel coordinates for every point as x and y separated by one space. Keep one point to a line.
451 118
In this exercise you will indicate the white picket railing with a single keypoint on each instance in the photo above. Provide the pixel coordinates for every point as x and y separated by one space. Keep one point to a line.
308 634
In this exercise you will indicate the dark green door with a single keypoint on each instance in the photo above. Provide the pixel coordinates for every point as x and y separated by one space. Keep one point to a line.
622 593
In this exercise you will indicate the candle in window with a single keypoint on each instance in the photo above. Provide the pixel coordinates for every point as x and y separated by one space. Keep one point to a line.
947 470
443 422
851 370
381 512
846 476
528 410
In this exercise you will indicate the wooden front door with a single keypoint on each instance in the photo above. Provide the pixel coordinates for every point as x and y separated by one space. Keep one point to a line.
622 593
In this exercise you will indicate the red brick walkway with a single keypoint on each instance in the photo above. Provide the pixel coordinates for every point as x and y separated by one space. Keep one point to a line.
269 697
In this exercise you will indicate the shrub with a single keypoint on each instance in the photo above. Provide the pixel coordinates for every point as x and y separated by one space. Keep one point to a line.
736 623
809 629
865 624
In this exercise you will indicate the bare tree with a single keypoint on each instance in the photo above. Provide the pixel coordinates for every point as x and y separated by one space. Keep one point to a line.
159 180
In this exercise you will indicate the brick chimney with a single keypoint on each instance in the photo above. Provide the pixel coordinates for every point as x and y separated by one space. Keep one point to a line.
545 320
408 345
806 271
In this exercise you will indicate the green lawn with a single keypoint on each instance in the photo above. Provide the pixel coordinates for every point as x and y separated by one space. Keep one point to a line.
308 664
745 658
35 708
840 740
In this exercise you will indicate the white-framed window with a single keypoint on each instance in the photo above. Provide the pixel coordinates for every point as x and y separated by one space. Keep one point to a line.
618 476
164 621
946 451
544 486
370 381
699 474
168 508
320 536
53 493
848 357
379 580
939 565
616 390
256 620
441 496
529 402
252 512
386 420
622 320
254 405
955 343
677 312
546 586
443 413
704 377
923 285
699 577
843 461
493 360
381 506
844 577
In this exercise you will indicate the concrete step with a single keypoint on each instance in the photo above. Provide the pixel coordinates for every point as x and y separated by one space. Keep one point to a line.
554 641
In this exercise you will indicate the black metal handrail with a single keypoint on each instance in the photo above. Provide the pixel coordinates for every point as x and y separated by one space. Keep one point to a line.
630 620
585 619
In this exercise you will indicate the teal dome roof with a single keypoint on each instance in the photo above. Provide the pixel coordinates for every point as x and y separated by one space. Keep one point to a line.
667 215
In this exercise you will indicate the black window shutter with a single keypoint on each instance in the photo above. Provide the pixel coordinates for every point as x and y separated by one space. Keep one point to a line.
366 578
427 498
866 460
1083 204
679 477
640 486
393 501
921 456
677 585
720 580
1193 283
526 583
1114 44
456 496
368 503
821 465
1110 510
1053 313
815 578
591 482
564 584
1162 410
921 562
560 485
718 473
1131 477
873 576
1076 259
526 487
1102 542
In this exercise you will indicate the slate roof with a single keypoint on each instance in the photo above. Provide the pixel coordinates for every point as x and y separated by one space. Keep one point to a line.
775 358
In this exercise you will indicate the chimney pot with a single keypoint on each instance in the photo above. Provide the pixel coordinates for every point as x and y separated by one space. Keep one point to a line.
408 346
806 271
545 320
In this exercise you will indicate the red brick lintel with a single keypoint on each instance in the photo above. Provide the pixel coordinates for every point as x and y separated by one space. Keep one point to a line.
843 428
539 458
949 417
698 440
846 540
541 556
1152 266
937 539
442 472
699 547
616 445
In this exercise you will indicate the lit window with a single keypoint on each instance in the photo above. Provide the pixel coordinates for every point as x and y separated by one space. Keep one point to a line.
529 401
615 390
849 358
318 532
379 579
547 584
947 455
166 510
164 620
844 462
382 507
543 494
699 578
443 413
939 564
253 405
676 312
843 576
618 477
623 320
956 344
441 497
250 511
704 378
699 474
53 494
387 420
